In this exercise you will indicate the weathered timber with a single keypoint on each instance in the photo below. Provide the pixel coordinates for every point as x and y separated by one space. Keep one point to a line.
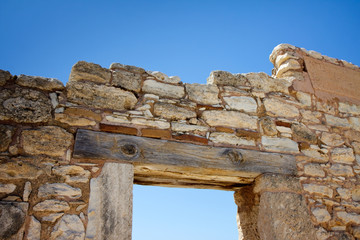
169 163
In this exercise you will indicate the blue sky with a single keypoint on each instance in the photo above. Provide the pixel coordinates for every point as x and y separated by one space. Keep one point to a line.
184 38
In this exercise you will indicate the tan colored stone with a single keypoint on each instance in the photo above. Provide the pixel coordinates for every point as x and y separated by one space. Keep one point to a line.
348 217
332 139
230 119
74 121
316 154
268 126
117 119
134 69
27 191
228 138
355 194
4 77
24 105
356 146
310 116
304 98
52 217
355 123
343 155
280 50
314 170
72 173
7 188
69 227
172 112
341 170
303 134
182 127
280 108
6 133
349 108
336 121
280 59
58 190
279 144
263 82
47 84
276 182
203 94
321 190
34 229
289 65
51 205
344 193
49 140
84 113
89 71
322 234
321 215
227 79
163 89
19 170
128 80
151 123
164 78
241 103
100 96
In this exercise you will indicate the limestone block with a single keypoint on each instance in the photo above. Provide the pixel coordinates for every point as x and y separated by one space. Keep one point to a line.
6 133
341 170
27 191
203 94
42 83
128 80
228 138
73 121
227 79
314 170
89 71
163 89
172 112
19 170
332 139
343 155
310 116
276 182
326 107
164 78
100 96
321 215
321 190
12 219
355 123
24 106
49 140
134 69
52 217
117 119
349 108
58 190
304 98
69 227
182 127
263 82
279 144
116 204
34 230
289 65
280 108
336 121
82 113
322 234
344 193
230 119
355 194
7 188
280 59
303 134
151 123
51 205
276 220
281 49
4 77
316 154
241 103
346 217
72 173
268 126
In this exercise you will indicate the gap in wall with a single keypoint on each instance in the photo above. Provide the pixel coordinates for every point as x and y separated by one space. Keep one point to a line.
161 213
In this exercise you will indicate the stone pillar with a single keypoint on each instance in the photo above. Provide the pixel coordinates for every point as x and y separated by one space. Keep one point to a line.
274 209
110 204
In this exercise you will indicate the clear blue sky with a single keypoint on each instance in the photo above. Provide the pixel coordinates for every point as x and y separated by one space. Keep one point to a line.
184 38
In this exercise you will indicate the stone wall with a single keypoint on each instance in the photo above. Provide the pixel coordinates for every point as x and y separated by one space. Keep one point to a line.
44 194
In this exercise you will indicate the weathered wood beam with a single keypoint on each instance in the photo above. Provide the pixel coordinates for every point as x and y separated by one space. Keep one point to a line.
162 162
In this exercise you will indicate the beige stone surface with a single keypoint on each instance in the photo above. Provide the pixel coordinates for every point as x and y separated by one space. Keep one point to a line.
128 80
203 94
69 227
6 133
316 154
317 189
303 134
268 126
352 109
289 65
310 116
277 182
355 194
230 119
18 169
151 123
182 127
100 96
263 82
72 173
51 205
344 193
228 138
241 103
89 71
52 217
49 140
346 217
343 155
172 112
47 84
321 215
332 139
34 230
27 191
24 105
163 89
280 108
7 188
226 78
304 98
341 170
74 121
336 121
279 144
61 190
134 69
314 170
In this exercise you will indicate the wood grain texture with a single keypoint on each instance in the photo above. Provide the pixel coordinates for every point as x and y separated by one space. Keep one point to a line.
163 162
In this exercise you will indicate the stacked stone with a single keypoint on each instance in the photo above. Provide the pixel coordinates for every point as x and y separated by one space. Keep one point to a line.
39 118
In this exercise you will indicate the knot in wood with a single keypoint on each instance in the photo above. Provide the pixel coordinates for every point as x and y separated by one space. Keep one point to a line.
235 156
128 149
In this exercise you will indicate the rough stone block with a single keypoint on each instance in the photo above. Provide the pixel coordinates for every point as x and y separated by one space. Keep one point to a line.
19 169
24 106
336 121
203 94
4 77
349 108
321 215
7 188
42 83
100 96
69 227
341 170
58 190
343 155
151 123
226 78
230 119
134 69
34 230
163 89
89 71
172 112
12 219
6 133
49 140
277 182
321 190
128 80
232 139
73 121
72 173
280 108
182 127
314 170
346 217
83 113
279 144
332 139
263 82
241 103
268 126
303 134
51 205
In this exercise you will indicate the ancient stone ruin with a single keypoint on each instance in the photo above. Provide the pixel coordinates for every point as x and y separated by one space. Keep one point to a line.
288 145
